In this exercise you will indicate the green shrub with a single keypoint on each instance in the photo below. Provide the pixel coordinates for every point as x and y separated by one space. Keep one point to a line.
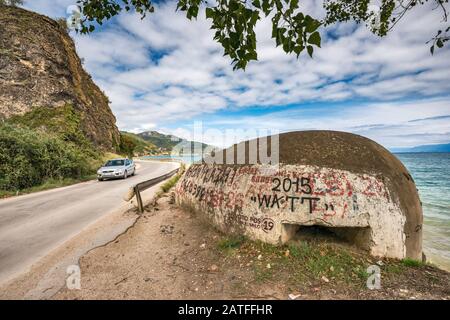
131 144
30 157
64 122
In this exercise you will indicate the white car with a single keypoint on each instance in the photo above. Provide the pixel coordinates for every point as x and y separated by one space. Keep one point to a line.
116 168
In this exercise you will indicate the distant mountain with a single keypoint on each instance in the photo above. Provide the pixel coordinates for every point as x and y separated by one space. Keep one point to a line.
425 148
139 145
166 143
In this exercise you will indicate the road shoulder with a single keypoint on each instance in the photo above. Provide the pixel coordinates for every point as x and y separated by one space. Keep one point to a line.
48 275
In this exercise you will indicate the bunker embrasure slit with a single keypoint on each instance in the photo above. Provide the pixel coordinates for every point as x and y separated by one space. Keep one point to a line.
359 237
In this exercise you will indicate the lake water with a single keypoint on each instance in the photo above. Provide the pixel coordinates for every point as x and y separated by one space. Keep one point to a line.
185 159
431 172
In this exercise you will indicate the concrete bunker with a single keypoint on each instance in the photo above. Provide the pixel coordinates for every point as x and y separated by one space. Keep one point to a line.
338 183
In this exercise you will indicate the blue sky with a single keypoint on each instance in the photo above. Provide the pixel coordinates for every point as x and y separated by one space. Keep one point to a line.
165 73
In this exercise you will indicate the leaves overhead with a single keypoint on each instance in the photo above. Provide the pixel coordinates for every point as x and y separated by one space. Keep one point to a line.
293 30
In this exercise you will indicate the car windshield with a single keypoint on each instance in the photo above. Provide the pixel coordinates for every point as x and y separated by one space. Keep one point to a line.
115 163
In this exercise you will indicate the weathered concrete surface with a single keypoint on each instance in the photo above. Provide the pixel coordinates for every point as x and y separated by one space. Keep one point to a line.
324 178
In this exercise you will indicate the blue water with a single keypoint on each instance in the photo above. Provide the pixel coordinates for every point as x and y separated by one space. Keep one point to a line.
431 172
185 159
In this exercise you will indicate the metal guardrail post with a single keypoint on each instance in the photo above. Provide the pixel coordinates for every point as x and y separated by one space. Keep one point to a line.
147 184
139 199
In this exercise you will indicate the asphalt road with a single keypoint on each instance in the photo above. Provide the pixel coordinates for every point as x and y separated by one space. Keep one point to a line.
32 225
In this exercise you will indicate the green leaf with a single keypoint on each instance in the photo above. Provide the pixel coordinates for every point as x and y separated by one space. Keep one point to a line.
310 50
315 39
293 5
209 13
298 50
192 12
251 56
311 24
257 4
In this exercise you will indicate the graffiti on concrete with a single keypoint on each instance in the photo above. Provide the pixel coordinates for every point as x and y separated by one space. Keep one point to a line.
326 194
264 201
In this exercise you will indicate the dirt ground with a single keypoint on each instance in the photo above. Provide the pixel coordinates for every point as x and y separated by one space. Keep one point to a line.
171 253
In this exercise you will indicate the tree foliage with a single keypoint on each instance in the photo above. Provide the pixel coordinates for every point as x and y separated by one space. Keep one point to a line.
127 145
293 30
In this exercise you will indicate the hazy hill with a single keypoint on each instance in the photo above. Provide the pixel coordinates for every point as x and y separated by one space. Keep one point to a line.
140 146
166 143
425 148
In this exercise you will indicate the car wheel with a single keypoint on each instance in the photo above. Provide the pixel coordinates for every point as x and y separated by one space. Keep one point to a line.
100 179
134 171
125 175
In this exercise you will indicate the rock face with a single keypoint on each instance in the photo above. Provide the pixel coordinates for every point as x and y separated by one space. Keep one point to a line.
39 67
345 183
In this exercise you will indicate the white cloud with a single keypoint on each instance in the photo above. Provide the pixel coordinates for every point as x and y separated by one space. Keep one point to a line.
166 69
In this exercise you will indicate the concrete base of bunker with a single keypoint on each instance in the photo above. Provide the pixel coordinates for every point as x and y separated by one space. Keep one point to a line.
358 237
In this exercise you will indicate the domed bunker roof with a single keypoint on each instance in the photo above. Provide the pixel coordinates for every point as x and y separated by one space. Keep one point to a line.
350 153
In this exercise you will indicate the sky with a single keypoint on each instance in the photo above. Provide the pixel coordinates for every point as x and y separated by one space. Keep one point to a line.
166 73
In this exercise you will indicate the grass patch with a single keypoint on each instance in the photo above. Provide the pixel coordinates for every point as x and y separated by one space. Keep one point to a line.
412 263
230 242
173 181
300 262
394 268
309 263
262 273
323 260
170 183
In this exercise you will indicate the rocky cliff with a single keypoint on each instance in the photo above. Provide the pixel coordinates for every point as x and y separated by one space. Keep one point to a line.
39 67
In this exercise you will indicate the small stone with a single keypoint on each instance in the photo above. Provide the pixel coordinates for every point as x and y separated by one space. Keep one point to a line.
331 268
294 296
260 257
196 289
380 263
203 246
269 266
325 279
287 253
214 268
404 291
